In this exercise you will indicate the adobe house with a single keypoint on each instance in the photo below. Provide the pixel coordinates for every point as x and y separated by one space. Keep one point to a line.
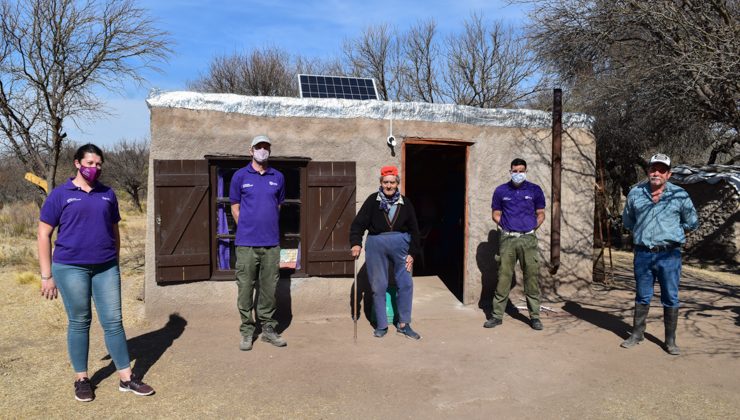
330 150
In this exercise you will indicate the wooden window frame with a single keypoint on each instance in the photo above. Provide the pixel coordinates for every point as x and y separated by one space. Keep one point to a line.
215 162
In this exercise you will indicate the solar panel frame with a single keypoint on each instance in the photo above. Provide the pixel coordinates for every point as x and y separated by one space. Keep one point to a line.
341 87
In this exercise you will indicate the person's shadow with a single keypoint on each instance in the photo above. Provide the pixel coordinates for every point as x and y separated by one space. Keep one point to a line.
146 349
364 297
605 321
283 304
485 257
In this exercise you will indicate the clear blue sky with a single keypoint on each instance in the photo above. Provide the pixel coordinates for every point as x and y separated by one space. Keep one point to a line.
313 28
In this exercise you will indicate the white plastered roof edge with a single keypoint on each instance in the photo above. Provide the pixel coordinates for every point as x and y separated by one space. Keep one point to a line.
272 106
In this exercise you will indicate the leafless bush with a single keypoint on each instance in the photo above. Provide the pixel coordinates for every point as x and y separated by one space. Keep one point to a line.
269 71
126 167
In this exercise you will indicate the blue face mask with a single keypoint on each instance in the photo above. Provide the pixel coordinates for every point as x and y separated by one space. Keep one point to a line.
518 178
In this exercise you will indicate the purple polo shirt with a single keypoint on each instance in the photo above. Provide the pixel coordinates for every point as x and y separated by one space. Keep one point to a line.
84 223
259 197
518 205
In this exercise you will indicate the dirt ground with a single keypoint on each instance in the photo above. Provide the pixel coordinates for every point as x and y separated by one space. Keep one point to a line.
573 369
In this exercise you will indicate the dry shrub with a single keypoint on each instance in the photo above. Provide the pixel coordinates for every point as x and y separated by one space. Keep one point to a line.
133 241
27 277
19 220
126 205
21 256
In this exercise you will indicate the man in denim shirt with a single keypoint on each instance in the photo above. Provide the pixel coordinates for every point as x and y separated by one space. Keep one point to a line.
658 213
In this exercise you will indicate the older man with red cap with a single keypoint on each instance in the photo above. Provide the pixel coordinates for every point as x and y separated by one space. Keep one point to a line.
392 241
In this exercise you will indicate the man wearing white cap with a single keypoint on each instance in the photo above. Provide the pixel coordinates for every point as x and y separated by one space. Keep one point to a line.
659 214
256 193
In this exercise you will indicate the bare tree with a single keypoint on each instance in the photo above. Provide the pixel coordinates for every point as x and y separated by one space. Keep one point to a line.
657 75
264 72
419 72
376 54
488 66
127 167
269 71
678 61
53 55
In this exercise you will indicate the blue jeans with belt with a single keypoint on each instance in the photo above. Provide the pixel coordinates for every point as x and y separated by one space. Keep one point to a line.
384 251
663 266
78 284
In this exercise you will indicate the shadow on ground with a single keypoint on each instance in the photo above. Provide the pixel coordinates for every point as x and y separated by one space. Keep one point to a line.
145 350
710 310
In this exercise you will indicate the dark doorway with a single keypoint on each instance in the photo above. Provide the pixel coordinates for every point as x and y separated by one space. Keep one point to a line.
435 184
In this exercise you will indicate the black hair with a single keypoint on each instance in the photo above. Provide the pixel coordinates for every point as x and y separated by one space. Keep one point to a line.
515 162
88 148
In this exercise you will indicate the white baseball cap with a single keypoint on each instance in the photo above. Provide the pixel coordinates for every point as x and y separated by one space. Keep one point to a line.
661 158
260 139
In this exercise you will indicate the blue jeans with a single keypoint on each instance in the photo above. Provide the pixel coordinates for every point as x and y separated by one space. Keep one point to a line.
665 267
381 252
101 282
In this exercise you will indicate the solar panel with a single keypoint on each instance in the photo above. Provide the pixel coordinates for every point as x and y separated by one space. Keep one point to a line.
315 86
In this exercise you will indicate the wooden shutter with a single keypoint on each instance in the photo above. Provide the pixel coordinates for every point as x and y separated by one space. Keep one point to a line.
330 209
181 219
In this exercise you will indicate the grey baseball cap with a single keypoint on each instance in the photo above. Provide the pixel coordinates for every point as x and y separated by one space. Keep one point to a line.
260 139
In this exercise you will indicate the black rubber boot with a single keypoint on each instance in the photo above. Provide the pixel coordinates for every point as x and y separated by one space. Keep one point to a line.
670 320
638 326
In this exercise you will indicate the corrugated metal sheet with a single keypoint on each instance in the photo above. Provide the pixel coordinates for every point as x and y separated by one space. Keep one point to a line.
712 174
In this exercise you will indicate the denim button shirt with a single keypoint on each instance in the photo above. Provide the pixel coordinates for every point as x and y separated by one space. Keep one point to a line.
662 223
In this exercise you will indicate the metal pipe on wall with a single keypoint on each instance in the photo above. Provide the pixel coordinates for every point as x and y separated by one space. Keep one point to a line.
557 167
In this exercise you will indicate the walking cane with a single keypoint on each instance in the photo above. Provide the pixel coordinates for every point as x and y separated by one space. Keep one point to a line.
354 309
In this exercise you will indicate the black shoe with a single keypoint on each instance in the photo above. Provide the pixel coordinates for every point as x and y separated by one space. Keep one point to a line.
493 322
270 336
83 390
536 324
380 333
136 386
407 332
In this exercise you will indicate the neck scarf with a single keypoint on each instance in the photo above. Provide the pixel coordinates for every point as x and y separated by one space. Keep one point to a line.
385 202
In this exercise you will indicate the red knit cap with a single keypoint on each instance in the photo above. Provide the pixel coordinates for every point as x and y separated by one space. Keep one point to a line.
388 170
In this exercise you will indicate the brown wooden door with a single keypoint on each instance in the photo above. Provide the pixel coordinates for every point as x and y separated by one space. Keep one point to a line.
330 209
181 220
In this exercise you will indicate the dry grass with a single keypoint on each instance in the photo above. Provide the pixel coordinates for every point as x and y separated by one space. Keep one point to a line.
21 254
19 220
26 277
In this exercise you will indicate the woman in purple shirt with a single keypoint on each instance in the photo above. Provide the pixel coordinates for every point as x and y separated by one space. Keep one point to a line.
84 267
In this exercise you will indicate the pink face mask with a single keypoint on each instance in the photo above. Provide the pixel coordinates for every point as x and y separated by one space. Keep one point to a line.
90 173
